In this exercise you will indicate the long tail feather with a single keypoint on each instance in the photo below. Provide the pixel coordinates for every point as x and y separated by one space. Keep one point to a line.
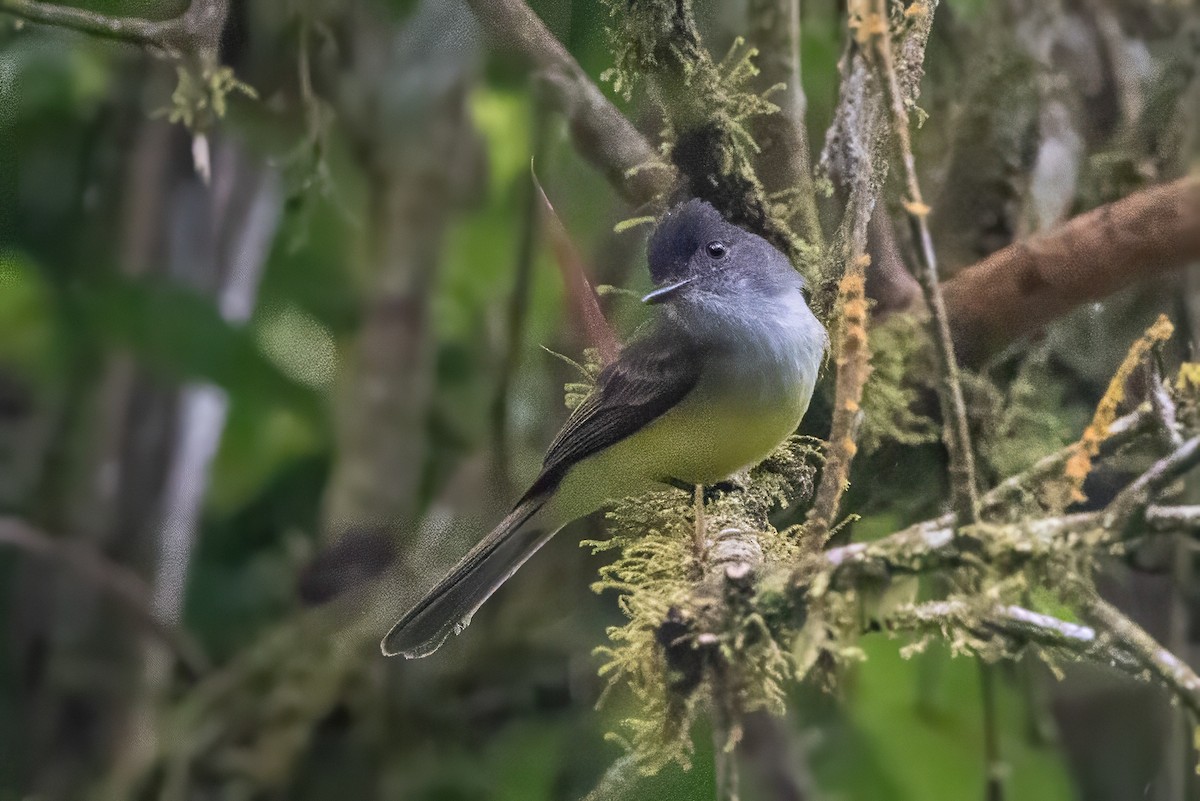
448 607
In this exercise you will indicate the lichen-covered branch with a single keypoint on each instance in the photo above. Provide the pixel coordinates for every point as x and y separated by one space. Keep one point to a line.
853 367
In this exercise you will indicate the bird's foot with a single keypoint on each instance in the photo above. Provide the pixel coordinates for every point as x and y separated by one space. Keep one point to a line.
711 491
714 491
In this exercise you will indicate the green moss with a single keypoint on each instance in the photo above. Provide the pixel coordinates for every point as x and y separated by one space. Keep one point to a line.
902 368
681 632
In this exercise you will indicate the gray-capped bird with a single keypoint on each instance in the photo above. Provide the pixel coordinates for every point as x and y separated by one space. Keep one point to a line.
717 382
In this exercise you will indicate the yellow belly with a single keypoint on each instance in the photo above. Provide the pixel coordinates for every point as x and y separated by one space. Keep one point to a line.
697 442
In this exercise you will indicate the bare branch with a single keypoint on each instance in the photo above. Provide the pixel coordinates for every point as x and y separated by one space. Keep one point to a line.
198 28
601 132
134 30
1130 505
1019 289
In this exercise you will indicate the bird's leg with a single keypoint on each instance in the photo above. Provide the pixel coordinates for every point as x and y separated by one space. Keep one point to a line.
698 536
678 484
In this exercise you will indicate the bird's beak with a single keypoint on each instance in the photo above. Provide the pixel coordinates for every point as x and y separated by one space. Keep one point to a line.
665 293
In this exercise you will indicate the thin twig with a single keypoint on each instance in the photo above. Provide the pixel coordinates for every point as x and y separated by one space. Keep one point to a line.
954 410
1130 505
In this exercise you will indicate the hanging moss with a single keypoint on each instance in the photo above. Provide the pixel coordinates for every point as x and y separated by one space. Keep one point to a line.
666 656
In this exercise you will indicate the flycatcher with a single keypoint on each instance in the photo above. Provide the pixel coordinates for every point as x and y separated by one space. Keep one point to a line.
720 378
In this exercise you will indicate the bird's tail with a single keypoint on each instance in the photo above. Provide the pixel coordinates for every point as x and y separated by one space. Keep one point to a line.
448 607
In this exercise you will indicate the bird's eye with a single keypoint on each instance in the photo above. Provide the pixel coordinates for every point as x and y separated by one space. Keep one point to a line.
716 249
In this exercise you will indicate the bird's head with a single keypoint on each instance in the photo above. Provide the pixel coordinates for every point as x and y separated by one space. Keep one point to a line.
695 252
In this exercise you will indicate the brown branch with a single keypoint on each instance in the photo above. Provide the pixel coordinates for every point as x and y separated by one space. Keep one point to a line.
1017 290
853 368
600 131
117 581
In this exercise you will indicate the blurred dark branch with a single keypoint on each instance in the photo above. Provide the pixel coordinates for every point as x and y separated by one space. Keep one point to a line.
1021 288
600 131
115 580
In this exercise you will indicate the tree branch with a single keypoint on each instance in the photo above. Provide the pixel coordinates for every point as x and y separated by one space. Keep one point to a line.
1021 288
1150 655
134 30
197 28
601 132
853 369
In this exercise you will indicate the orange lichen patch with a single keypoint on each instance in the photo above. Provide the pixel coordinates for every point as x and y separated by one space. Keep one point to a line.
852 357
1079 465
865 22
916 208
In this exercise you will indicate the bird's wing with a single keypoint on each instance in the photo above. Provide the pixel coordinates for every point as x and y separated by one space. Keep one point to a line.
650 376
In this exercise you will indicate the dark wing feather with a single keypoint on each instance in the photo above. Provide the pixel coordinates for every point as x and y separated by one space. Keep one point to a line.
651 375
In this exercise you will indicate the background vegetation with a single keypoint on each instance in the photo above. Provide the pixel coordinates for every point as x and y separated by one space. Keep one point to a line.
273 282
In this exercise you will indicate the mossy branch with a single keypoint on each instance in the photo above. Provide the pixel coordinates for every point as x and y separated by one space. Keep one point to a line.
707 109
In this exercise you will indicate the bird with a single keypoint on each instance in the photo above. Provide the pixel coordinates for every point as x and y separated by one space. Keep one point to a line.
712 385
